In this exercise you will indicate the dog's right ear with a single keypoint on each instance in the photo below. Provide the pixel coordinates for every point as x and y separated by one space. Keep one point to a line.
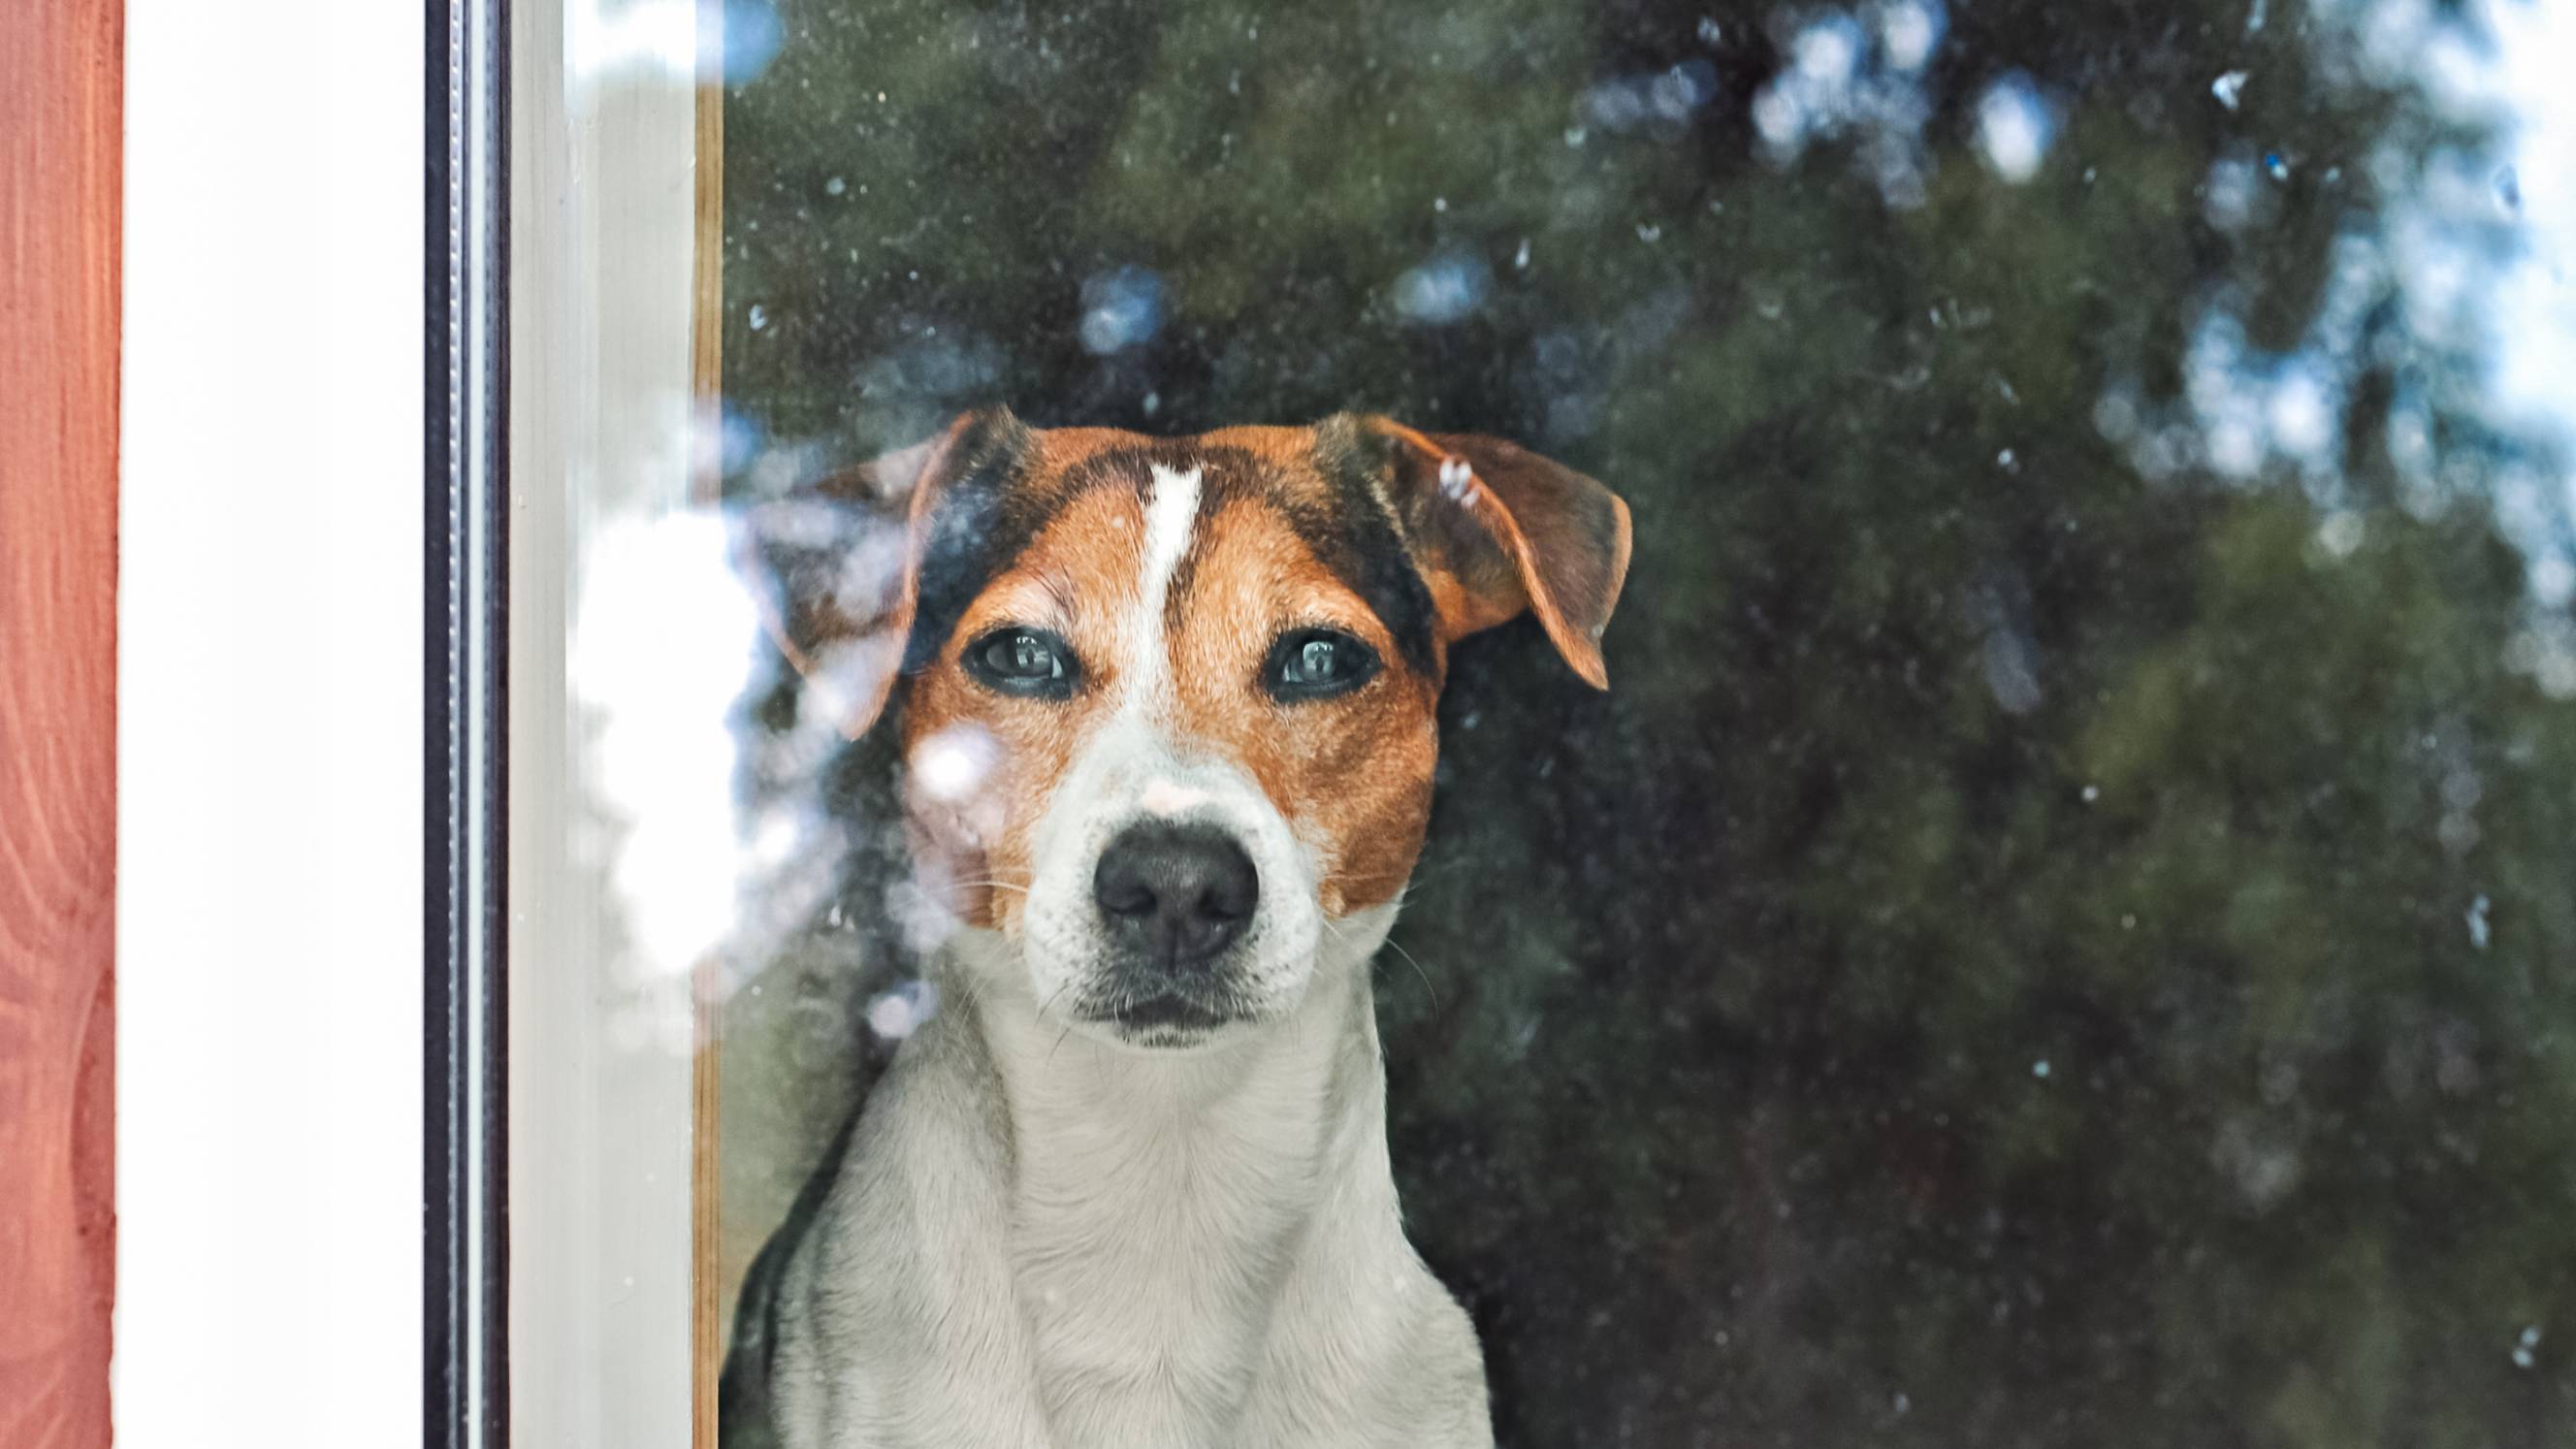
839 561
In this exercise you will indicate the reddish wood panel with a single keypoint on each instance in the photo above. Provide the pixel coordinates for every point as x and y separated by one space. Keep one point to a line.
62 81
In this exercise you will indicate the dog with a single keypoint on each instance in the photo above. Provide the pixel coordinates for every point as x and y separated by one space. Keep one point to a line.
1166 738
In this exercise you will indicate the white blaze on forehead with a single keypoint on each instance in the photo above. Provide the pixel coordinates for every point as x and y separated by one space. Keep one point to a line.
1170 515
1168 518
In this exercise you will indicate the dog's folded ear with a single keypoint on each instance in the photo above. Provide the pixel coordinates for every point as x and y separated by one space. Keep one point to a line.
1497 530
839 561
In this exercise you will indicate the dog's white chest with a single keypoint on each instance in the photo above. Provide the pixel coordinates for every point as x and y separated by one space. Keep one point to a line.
1149 1243
1079 1248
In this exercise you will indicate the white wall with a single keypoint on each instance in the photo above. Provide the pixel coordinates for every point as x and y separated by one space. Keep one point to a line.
269 1007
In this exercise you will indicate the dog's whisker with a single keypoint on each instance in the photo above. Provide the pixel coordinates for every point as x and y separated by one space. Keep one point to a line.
1428 988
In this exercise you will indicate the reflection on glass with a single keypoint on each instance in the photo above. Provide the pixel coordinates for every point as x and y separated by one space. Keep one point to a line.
2061 932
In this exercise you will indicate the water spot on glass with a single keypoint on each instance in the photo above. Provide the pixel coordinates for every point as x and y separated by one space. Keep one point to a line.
1649 232
1671 97
2341 533
2014 128
2039 1069
1440 203
2012 670
2007 460
2524 1346
952 763
1121 308
1457 480
2276 165
759 316
1521 258
2476 916
897 1014
2228 194
2254 18
1574 135
1152 404
1442 290
2553 581
2229 88
1710 32
1907 33
2508 190
2092 793
750 34
1828 50
835 186
739 440
2263 1166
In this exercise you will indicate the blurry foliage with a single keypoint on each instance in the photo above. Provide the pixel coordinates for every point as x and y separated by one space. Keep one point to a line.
2035 948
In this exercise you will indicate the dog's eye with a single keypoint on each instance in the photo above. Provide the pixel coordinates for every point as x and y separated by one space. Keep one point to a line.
1317 664
1027 662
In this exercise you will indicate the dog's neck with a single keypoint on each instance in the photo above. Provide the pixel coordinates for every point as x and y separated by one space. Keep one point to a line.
1273 1118
1166 1206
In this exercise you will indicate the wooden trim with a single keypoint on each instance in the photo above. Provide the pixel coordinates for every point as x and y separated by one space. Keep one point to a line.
62 91
706 488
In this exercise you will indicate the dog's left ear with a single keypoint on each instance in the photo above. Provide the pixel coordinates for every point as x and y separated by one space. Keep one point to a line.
844 558
1497 530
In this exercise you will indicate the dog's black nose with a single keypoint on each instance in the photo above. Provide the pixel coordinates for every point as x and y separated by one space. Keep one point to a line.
1175 894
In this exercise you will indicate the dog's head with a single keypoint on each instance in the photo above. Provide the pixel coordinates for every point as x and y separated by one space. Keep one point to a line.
1168 732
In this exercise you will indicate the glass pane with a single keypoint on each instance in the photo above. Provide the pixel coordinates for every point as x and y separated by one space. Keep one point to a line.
2057 931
